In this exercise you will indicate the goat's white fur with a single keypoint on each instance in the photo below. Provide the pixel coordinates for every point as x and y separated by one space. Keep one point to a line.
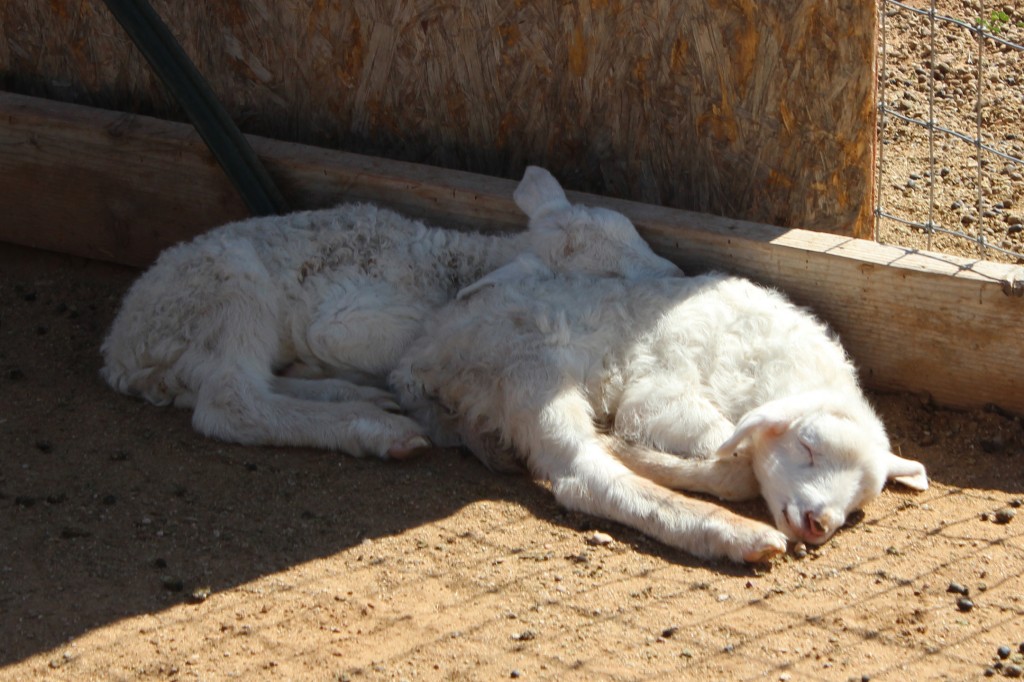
618 391
281 330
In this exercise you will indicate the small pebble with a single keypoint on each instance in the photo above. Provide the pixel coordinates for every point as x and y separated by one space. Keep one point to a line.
200 594
1003 652
1013 670
667 633
964 604
1004 515
957 588
990 671
515 674
599 539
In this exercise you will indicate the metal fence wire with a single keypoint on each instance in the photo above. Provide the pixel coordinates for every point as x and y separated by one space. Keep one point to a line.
950 173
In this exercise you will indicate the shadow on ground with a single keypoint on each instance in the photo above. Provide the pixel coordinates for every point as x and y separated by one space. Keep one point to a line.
110 507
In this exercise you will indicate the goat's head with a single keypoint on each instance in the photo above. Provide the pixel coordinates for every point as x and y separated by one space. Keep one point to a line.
584 239
817 458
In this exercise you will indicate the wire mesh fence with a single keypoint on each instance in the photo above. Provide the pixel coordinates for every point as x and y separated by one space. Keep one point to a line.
951 127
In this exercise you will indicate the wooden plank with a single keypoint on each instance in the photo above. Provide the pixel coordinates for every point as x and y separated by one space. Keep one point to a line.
762 110
118 187
100 184
103 184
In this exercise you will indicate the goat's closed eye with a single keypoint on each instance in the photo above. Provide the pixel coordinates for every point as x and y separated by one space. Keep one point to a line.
810 453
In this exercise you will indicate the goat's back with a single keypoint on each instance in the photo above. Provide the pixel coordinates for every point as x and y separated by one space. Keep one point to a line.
248 291
738 343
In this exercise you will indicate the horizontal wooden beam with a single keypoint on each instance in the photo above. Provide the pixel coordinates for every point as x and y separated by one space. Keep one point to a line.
119 187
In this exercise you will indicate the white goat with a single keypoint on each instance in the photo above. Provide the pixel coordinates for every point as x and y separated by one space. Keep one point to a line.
281 330
618 391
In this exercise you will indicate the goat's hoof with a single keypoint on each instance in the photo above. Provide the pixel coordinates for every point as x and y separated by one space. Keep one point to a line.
389 405
768 549
408 448
763 555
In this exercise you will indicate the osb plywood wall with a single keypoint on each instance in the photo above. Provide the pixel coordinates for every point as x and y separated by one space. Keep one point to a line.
754 109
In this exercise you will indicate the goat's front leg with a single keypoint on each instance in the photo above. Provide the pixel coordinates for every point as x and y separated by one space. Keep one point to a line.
669 435
595 482
728 478
669 414
563 446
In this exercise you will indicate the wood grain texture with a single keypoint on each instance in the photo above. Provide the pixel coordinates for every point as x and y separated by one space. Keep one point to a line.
106 185
755 110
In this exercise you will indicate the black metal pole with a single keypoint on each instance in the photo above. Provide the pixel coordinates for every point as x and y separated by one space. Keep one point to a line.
182 78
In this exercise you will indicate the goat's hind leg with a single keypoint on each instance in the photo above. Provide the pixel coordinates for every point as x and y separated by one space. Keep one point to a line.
671 436
333 390
240 407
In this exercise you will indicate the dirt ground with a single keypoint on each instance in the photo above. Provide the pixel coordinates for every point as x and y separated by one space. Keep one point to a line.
133 549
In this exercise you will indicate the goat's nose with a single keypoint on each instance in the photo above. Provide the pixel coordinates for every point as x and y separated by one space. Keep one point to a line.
816 526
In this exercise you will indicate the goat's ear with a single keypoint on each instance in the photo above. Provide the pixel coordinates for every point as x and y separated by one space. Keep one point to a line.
539 193
525 266
906 471
760 423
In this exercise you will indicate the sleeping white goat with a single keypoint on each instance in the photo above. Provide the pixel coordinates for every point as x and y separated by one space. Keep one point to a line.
619 392
281 330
